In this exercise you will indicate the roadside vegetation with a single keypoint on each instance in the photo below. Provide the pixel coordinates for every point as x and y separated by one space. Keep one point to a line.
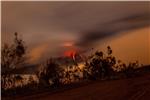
97 66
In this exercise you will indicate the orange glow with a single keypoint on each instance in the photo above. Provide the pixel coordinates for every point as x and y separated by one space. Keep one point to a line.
68 44
70 53
37 52
131 45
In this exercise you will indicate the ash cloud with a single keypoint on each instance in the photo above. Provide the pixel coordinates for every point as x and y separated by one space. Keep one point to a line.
113 28
82 23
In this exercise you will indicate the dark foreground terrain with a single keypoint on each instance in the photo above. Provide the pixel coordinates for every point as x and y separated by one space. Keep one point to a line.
137 88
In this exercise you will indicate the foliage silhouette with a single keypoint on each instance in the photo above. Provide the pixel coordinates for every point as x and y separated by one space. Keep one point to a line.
11 57
97 66
100 66
50 73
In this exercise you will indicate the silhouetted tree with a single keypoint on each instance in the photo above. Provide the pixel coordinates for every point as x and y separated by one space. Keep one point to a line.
51 73
93 69
68 76
11 56
109 50
130 69
87 71
109 62
99 65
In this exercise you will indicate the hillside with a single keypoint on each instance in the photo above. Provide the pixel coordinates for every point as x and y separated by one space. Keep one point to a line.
137 88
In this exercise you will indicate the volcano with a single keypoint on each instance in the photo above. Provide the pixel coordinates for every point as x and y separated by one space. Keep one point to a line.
74 55
70 53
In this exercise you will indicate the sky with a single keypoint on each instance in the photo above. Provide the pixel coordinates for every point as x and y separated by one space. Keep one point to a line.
51 28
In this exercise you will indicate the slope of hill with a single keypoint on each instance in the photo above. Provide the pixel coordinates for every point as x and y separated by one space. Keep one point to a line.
137 88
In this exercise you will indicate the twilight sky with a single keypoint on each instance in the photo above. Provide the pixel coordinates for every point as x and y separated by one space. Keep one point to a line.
51 28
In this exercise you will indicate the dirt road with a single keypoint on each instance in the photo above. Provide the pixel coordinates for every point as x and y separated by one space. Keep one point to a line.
126 89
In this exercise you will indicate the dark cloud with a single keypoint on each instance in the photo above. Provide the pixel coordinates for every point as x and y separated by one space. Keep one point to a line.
83 23
113 28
